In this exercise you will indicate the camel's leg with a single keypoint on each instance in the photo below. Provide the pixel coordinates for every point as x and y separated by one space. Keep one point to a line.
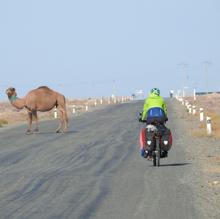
64 120
29 123
36 130
59 127
61 106
60 121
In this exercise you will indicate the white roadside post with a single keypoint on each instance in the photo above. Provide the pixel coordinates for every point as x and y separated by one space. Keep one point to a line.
209 125
194 94
74 110
190 109
55 113
194 110
95 103
201 114
101 101
87 108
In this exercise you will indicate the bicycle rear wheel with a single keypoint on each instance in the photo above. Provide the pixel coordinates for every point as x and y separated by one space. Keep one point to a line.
158 151
154 159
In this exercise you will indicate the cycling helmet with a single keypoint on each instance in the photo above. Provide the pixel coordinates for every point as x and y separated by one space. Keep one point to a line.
155 91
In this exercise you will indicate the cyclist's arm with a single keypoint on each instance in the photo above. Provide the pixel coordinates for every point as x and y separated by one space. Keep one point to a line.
165 108
145 110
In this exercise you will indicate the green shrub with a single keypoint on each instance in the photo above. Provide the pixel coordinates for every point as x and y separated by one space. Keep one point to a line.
3 122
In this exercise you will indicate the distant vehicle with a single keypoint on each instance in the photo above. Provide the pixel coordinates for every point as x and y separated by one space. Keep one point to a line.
171 93
139 94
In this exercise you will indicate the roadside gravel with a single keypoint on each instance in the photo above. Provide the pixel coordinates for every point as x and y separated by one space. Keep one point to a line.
204 154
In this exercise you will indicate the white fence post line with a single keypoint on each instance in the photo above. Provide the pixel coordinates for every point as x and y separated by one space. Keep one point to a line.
201 115
55 113
194 110
209 125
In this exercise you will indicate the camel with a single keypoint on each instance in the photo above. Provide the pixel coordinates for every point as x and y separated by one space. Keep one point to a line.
41 99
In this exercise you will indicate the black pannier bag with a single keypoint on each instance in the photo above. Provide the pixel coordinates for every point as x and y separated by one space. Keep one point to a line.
150 140
166 140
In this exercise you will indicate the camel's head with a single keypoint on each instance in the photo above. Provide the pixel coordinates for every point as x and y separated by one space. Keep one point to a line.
11 92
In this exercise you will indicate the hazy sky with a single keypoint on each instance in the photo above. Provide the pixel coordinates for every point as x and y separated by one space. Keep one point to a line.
86 48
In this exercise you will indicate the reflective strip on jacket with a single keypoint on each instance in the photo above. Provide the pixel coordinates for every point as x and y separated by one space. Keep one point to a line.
153 101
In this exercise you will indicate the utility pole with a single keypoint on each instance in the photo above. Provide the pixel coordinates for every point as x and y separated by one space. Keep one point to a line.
185 76
114 88
206 65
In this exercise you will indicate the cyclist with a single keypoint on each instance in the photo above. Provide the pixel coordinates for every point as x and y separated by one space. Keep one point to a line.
154 109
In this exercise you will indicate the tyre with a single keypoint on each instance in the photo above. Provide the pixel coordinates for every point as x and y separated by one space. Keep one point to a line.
158 159
158 152
154 159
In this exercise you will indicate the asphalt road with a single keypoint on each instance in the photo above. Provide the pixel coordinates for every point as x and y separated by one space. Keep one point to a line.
94 171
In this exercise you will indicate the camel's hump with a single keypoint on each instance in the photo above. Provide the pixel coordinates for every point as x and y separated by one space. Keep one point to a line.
43 87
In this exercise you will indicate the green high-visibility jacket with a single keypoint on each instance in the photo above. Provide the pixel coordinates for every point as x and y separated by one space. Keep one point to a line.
153 101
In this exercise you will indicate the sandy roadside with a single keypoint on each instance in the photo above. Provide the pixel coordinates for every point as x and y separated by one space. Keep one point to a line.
11 116
204 153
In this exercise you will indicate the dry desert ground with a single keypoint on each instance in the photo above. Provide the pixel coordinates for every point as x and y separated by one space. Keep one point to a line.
10 115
